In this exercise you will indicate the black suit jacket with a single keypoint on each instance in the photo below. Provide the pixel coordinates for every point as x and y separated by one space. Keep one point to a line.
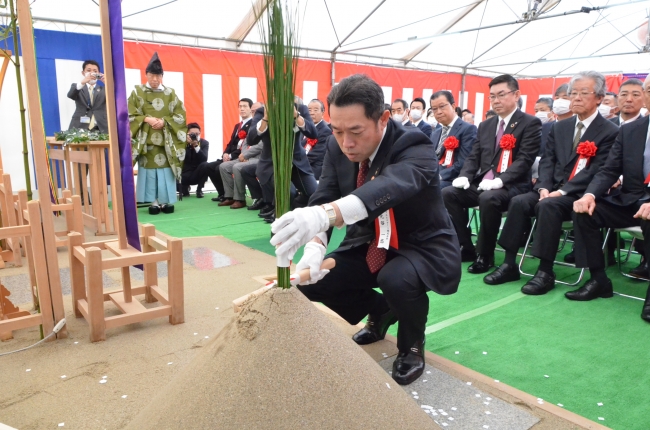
616 120
559 158
317 152
425 127
626 153
85 108
403 176
546 129
193 158
466 135
526 129
231 148
264 169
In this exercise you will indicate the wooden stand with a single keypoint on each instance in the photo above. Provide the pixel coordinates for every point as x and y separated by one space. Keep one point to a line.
88 298
11 247
72 164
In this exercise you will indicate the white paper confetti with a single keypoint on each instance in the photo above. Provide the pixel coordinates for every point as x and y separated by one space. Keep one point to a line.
76 343
63 376
414 393
387 385
445 424
424 380
444 414
428 372
496 380
486 427
453 409
441 410
124 396
61 424
434 413
599 403
104 377
195 334
488 413
28 370
484 352
457 352
469 383
539 399
171 362
560 405
489 399
601 418
450 418
545 376
477 395
415 397
103 381
216 308
486 403
207 337
427 411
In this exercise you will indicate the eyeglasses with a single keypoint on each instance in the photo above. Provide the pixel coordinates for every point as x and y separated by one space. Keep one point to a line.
439 108
499 96
583 94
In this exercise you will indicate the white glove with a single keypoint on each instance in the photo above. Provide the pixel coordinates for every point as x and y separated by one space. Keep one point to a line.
294 229
490 184
312 259
461 182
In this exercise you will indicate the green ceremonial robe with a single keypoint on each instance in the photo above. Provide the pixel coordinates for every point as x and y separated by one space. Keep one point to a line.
156 149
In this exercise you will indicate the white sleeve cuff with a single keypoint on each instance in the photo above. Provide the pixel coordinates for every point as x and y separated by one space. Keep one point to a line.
352 209
323 238
562 192
197 148
258 128
79 86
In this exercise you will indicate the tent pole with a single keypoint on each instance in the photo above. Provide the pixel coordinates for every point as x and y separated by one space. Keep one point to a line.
463 103
333 68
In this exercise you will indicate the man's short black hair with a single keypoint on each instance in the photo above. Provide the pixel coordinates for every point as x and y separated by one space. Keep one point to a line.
609 93
421 100
564 88
87 62
444 93
513 85
358 89
464 111
194 125
631 81
249 101
547 101
490 114
403 102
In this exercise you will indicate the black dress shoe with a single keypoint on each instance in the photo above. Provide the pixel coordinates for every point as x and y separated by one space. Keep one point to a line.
409 365
218 199
266 211
167 209
570 258
591 290
645 313
467 255
257 204
640 271
502 274
481 265
375 328
541 283
199 194
269 219
154 210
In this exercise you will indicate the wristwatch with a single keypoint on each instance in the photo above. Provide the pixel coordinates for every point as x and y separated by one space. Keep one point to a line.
331 213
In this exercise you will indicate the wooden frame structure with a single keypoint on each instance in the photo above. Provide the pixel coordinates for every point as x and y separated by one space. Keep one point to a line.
11 247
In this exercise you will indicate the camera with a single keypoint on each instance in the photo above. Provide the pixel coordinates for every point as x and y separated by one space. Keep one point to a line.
97 75
194 137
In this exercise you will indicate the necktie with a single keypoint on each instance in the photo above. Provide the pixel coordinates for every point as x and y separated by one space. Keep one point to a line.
578 136
443 136
91 125
500 133
376 257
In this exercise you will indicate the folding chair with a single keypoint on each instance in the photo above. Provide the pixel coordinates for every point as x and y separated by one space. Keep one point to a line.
636 234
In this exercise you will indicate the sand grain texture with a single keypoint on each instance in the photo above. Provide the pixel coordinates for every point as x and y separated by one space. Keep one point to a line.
282 364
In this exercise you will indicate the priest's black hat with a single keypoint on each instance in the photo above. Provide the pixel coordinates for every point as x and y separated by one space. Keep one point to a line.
154 66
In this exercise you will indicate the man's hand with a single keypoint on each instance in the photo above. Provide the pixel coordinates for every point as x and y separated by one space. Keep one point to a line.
534 180
312 259
490 184
555 194
294 229
226 157
586 204
241 158
460 182
102 78
643 212
155 123
543 193
300 121
87 78
616 185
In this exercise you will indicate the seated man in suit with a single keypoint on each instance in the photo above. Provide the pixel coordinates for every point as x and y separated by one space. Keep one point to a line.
302 177
576 149
629 207
561 103
400 112
375 169
464 134
315 148
630 101
232 151
196 154
609 107
90 100
497 169
418 106
543 111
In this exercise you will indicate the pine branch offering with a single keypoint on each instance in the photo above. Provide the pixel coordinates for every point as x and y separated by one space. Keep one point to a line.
280 64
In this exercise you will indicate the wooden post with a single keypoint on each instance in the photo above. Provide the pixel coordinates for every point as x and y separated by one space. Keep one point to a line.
175 288
27 243
95 291
150 269
77 281
40 158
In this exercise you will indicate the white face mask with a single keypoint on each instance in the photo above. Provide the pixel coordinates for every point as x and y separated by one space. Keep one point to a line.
604 110
543 116
399 117
561 106
432 121
416 114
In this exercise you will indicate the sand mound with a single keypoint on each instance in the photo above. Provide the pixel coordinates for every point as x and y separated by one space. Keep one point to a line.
281 364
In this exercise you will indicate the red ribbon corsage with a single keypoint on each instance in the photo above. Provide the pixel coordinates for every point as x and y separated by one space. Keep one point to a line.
585 150
450 144
242 134
507 144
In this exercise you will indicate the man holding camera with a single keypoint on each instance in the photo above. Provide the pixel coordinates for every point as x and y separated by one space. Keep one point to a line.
90 112
196 154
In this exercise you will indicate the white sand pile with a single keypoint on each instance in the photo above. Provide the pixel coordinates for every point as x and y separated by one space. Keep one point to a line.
281 364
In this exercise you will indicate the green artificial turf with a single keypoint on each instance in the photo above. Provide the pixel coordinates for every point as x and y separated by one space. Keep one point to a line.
593 352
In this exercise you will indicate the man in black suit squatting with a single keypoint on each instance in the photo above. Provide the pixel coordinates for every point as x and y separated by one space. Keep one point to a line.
376 172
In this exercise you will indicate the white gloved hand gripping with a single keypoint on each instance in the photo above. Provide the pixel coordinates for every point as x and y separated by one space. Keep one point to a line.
312 259
460 182
294 229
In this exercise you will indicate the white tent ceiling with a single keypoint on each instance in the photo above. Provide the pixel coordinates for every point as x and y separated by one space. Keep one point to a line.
429 34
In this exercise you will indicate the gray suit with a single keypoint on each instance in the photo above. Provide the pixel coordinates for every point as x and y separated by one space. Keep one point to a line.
233 182
84 107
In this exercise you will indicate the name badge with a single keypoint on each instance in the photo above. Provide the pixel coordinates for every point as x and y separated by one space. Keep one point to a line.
385 227
84 120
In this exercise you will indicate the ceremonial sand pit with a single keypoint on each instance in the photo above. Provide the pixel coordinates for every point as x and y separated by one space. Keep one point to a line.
282 364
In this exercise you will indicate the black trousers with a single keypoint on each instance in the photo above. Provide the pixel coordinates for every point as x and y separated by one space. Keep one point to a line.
302 182
550 213
250 178
193 177
491 205
589 237
211 170
349 291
